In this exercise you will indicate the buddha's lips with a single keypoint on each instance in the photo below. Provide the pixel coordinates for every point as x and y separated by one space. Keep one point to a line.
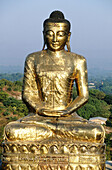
55 44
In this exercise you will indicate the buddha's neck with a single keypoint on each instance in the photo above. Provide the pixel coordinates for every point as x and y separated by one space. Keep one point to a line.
56 54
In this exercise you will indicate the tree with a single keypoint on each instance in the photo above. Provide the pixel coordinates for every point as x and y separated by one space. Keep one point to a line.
96 106
97 94
6 113
3 96
108 146
87 111
108 99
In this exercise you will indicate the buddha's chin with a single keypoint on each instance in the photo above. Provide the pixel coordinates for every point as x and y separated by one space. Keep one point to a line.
55 47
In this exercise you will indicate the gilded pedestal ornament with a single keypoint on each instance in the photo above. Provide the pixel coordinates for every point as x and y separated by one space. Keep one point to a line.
53 136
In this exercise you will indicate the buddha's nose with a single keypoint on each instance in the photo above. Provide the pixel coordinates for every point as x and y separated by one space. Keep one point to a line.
55 38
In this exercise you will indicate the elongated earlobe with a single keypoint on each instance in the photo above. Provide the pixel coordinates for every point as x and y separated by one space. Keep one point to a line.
44 41
44 46
68 46
68 42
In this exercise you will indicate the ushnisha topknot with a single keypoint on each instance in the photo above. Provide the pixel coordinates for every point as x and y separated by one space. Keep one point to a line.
57 17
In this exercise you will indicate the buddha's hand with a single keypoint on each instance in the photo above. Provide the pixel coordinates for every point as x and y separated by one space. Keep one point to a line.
48 112
65 112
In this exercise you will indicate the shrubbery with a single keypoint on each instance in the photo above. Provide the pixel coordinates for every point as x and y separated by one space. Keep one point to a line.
12 118
6 113
96 105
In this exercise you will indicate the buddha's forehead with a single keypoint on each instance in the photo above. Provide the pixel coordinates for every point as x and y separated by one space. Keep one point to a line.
56 26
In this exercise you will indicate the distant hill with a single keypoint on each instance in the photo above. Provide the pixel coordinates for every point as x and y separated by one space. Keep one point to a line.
11 77
99 73
92 72
11 69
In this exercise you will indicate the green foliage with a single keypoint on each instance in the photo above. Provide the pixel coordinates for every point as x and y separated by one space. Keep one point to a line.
22 108
4 82
1 131
97 94
3 96
108 123
108 146
9 89
102 108
87 111
15 89
6 113
107 89
1 137
10 103
14 104
16 85
21 114
74 92
108 99
2 106
14 113
12 118
96 106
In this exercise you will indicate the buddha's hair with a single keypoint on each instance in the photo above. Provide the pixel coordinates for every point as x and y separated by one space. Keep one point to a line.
57 17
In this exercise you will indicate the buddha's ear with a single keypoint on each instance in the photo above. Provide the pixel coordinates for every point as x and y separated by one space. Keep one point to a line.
68 42
44 40
69 35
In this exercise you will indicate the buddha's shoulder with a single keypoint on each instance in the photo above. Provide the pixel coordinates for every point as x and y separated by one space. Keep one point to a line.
34 55
76 56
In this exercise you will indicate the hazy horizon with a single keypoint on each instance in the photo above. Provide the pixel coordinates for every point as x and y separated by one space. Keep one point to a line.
21 29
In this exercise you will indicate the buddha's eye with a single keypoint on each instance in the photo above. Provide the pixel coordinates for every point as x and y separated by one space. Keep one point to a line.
61 33
49 33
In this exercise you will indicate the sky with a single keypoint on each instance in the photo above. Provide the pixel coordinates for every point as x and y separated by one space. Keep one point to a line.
21 26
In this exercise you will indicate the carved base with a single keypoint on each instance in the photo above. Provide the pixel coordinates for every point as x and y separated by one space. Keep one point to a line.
53 167
53 154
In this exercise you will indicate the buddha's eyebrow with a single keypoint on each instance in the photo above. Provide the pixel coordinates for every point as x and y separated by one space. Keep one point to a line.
49 30
46 31
62 32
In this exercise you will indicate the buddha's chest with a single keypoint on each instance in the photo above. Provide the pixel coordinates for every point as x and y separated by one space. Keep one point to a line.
54 75
54 67
55 79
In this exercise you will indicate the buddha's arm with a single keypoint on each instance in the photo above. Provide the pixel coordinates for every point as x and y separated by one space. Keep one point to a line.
30 92
82 87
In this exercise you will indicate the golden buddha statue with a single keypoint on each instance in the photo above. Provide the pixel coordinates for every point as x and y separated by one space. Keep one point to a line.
49 77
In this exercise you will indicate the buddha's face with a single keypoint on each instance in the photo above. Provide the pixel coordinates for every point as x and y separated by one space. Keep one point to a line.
56 35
